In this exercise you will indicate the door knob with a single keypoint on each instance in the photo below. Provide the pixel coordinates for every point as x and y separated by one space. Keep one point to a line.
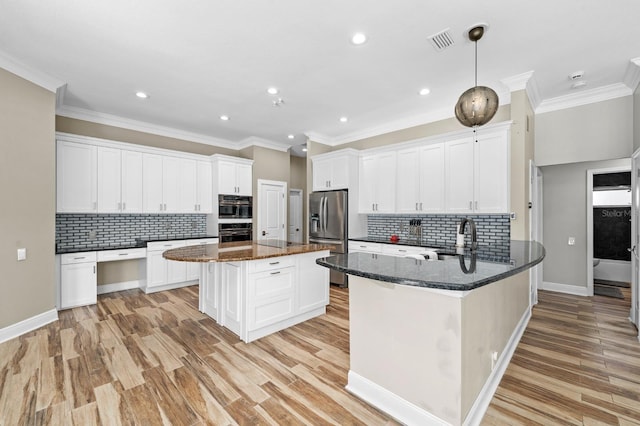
264 233
297 229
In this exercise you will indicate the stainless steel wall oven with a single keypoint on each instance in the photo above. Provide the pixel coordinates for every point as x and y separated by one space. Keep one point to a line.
235 207
228 232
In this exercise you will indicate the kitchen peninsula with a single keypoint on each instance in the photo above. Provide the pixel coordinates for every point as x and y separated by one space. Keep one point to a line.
430 339
257 288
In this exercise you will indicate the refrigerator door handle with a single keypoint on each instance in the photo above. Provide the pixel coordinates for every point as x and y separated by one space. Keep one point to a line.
326 212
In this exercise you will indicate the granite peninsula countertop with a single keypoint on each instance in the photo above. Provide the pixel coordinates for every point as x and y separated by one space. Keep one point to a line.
140 242
458 272
241 250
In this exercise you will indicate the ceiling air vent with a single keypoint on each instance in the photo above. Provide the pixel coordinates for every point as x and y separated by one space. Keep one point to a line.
441 40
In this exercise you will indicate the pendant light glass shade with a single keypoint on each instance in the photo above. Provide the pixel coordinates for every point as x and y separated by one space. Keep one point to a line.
478 105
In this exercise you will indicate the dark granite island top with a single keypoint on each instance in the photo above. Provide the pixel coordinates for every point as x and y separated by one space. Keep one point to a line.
460 273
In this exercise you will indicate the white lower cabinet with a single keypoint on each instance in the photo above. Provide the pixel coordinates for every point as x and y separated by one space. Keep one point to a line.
193 268
259 297
364 247
78 282
163 274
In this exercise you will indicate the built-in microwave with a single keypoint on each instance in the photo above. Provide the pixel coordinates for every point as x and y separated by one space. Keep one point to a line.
235 207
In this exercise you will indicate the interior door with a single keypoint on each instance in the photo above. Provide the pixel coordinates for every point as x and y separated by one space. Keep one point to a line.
535 226
271 210
295 215
635 238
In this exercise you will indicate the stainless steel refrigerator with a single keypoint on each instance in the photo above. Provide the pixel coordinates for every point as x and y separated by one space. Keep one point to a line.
328 224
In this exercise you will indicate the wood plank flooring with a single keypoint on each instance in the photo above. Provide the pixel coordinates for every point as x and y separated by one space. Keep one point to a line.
136 359
578 363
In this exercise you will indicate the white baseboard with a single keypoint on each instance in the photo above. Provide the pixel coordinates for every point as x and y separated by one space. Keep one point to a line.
27 325
148 289
399 408
480 405
565 288
126 285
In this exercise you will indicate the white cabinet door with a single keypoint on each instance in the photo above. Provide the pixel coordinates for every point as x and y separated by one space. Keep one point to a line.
204 194
156 269
76 170
364 247
232 297
170 184
152 183
227 178
313 283
408 185
339 173
131 186
491 167
176 271
78 285
321 175
244 179
432 178
377 183
187 181
459 175
109 180
270 297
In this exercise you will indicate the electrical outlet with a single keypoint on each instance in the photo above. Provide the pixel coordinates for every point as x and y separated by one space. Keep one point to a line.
93 234
22 254
494 359
571 241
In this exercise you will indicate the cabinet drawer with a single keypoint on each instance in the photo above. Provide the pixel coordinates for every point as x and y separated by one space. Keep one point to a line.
83 257
164 245
401 250
111 255
201 241
355 246
270 283
271 264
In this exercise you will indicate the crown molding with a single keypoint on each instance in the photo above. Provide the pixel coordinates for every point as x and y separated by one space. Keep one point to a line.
632 75
527 82
141 126
264 143
33 75
599 94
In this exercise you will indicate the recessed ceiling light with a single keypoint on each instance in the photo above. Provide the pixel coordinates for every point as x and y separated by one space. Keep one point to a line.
224 117
344 119
291 136
424 91
358 38
272 91
142 95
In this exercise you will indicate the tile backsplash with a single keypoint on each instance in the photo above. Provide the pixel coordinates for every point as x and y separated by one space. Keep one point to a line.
440 230
114 230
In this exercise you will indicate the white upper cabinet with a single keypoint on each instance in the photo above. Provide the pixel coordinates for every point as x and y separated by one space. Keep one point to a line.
459 175
119 181
232 176
420 184
478 174
377 183
160 184
335 170
491 173
131 185
204 194
331 173
76 181
188 181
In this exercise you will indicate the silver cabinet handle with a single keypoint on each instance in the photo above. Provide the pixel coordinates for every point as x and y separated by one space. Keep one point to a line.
160 206
165 207
416 206
123 254
119 206
420 206
94 269
274 263
124 205
275 273
95 205
476 205
78 258
470 205
402 251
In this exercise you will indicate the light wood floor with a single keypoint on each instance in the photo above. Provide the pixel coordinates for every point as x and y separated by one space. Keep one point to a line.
154 359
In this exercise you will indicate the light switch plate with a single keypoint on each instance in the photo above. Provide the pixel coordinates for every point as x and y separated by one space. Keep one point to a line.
22 254
571 241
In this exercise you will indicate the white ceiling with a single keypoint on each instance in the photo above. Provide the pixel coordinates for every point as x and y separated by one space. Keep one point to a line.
200 59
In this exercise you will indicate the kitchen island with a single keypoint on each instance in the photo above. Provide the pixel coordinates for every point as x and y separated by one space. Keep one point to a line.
257 288
430 340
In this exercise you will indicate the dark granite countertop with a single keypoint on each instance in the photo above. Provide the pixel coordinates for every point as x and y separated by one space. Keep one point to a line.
460 273
140 242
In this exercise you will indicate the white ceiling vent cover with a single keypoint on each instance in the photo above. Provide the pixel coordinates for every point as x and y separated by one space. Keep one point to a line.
441 40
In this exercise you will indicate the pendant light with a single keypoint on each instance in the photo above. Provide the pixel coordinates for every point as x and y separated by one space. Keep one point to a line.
478 105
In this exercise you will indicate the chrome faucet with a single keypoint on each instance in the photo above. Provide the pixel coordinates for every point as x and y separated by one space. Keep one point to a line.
474 234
